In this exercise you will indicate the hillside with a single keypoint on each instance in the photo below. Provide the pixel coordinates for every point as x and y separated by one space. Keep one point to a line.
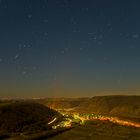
125 106
19 116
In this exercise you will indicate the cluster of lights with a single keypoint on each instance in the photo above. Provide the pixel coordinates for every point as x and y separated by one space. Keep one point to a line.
81 118
104 118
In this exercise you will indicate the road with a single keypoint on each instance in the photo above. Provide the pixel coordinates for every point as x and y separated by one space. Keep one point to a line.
52 121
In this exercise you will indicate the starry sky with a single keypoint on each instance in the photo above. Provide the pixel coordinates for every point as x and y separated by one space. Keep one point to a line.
69 48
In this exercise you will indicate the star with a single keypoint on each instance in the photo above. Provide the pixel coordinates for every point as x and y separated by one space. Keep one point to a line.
24 72
131 47
81 48
93 38
135 36
29 16
45 20
34 68
91 33
66 49
62 52
45 33
16 56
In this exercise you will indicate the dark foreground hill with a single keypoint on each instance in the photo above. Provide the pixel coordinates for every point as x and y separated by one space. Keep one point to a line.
19 116
125 106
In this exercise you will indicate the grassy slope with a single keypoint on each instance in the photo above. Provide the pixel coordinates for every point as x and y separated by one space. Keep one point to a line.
100 131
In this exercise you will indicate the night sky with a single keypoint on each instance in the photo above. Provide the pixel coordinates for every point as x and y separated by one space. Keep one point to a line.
69 48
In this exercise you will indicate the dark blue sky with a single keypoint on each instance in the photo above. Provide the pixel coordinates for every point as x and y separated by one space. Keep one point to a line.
69 47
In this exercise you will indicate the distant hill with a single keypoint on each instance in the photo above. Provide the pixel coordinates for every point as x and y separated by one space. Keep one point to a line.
17 116
62 103
125 106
